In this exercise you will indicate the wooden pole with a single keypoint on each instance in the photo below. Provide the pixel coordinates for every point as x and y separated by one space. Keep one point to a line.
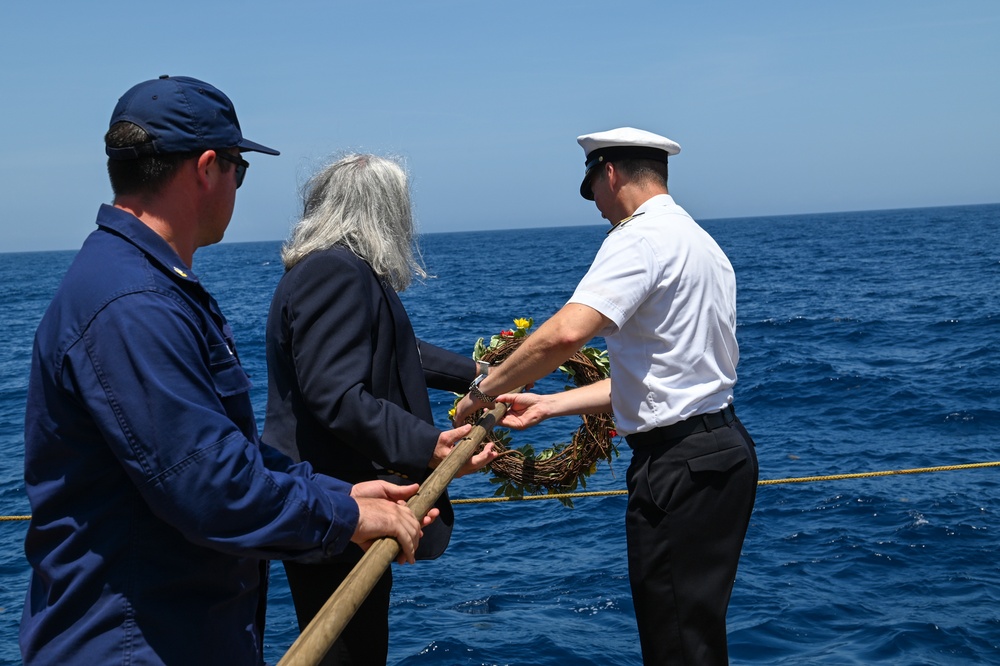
318 636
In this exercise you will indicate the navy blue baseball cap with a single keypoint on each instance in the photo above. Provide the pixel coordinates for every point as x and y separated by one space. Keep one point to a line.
182 115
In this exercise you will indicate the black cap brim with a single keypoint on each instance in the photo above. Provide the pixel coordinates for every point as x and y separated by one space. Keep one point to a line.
585 190
253 147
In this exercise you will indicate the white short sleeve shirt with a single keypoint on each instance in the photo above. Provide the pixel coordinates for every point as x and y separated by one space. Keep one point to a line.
671 293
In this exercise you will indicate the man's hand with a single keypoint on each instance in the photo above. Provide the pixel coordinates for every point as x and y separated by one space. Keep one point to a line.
527 409
382 512
523 410
446 444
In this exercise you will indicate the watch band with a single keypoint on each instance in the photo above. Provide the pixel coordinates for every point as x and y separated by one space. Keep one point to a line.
478 394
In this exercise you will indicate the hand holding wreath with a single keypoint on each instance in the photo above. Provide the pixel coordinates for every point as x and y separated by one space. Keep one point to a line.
562 467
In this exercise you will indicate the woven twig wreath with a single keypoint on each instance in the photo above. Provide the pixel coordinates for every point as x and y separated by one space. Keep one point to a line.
563 467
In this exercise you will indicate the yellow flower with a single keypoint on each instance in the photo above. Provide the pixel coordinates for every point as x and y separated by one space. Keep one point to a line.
522 323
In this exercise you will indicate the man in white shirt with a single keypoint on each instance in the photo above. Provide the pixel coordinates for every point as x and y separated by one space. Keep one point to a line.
663 295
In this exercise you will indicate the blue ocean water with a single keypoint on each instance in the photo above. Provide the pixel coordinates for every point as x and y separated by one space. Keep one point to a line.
869 341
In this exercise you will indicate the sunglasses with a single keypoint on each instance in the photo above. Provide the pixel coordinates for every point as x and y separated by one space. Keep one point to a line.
241 165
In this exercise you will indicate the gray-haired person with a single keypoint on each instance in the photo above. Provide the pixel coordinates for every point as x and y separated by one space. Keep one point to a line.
348 379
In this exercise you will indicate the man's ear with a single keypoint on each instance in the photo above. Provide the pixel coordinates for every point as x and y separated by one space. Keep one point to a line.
203 167
613 176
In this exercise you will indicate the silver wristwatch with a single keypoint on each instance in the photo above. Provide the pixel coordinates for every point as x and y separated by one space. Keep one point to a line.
476 393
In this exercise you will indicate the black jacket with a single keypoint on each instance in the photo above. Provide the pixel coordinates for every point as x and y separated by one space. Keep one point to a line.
347 379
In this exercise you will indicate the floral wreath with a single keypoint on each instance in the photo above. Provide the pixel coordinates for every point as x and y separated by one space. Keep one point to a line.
563 467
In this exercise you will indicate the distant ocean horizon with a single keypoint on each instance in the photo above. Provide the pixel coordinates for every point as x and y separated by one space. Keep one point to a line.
869 341
234 237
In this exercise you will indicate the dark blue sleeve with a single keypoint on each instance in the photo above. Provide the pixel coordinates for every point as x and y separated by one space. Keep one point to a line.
446 370
162 395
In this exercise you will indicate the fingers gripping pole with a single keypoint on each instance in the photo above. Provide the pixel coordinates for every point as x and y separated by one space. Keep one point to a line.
315 640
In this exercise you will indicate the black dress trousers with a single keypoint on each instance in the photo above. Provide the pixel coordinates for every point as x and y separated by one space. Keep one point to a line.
689 507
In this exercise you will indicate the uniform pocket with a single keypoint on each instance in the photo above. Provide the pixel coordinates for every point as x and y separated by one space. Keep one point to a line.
658 480
718 461
227 373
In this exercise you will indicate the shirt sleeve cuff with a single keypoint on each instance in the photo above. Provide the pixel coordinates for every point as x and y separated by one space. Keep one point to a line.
345 514
602 305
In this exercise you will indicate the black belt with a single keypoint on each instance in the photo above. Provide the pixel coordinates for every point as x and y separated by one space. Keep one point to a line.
689 426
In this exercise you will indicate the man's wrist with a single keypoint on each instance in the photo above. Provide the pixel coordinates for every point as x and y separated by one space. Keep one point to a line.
477 393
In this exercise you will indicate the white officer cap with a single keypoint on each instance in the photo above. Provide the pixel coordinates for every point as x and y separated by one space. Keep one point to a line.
622 143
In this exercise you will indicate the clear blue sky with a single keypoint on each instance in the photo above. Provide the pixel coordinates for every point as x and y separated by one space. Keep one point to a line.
780 107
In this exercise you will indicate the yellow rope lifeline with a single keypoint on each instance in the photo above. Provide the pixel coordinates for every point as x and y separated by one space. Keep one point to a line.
891 472
765 482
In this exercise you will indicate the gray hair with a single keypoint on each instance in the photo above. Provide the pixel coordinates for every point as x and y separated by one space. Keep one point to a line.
362 203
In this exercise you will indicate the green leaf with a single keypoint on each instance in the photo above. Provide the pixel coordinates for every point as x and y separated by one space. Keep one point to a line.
478 350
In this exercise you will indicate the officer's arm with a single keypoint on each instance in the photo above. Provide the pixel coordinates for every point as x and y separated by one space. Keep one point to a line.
542 352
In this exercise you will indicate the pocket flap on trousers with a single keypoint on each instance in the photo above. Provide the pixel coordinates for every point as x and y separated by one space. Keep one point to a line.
719 461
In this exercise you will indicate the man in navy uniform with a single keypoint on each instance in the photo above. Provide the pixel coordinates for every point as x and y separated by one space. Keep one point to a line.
154 505
663 295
